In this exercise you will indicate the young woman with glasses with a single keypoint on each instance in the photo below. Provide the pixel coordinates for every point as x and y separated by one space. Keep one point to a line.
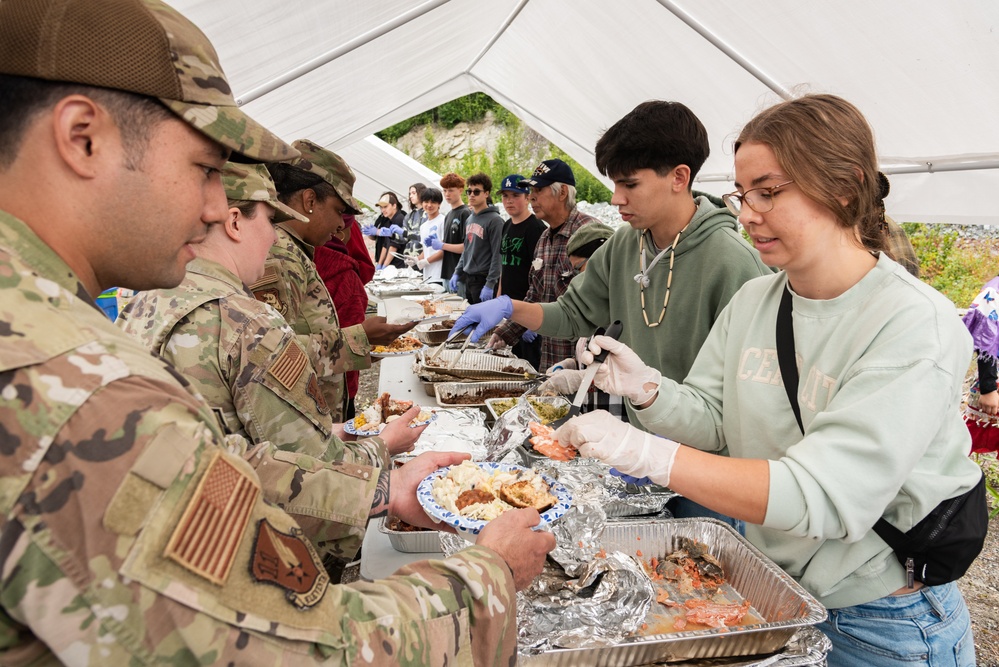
881 357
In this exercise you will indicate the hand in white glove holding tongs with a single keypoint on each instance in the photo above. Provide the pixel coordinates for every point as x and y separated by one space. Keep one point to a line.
409 260
601 435
623 373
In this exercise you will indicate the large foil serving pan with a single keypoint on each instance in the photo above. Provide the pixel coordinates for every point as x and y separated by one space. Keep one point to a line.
411 542
784 604
474 365
450 390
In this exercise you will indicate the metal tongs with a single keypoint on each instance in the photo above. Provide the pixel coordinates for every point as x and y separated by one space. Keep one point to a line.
440 348
461 350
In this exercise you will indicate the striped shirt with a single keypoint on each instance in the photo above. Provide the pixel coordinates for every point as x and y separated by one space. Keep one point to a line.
549 283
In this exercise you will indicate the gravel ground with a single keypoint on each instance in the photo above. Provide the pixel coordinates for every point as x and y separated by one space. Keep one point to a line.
981 590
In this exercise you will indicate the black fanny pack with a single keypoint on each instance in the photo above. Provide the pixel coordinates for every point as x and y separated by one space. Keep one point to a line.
940 548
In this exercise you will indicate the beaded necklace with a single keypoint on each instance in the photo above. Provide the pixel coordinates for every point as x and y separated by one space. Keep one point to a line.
643 278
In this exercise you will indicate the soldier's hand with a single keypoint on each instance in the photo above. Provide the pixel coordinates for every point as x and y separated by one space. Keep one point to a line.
398 436
380 332
523 549
403 502
339 432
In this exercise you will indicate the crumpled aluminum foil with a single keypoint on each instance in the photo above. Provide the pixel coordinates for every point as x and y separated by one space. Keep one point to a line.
511 429
607 603
596 496
455 430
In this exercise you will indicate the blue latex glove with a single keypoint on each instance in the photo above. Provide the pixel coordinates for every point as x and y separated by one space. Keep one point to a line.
485 316
433 242
486 293
369 230
384 231
453 283
529 336
396 229
379 267
638 481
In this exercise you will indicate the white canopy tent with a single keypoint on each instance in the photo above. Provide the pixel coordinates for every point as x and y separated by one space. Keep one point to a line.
925 73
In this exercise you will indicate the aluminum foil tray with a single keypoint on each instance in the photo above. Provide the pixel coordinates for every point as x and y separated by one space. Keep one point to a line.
557 401
412 542
785 605
431 336
444 390
474 365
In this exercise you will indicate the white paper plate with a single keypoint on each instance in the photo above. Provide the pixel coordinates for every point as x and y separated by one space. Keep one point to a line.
424 493
348 426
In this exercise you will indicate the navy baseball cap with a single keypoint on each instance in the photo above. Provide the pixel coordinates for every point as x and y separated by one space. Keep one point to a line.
512 184
548 172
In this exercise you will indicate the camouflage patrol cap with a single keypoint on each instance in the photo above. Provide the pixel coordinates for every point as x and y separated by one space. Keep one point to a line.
252 182
596 233
330 167
138 46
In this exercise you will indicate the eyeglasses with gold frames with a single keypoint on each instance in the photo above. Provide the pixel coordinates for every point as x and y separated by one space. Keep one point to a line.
760 200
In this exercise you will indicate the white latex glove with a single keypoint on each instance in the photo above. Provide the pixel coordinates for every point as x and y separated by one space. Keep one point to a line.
562 382
409 260
495 342
623 373
422 263
564 365
601 435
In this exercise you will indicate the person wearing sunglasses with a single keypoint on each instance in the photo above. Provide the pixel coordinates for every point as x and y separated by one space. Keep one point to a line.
481 263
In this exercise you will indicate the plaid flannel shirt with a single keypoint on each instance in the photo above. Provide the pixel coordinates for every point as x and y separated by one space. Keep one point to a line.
548 283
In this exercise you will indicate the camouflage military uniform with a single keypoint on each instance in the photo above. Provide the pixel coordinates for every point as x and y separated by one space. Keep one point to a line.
245 361
130 535
293 287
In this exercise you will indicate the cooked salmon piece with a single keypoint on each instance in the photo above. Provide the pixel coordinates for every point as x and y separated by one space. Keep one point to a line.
544 442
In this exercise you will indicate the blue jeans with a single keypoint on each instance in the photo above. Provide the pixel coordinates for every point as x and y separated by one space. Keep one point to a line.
684 508
929 627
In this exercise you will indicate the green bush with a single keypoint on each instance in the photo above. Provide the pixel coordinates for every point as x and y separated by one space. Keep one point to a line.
952 266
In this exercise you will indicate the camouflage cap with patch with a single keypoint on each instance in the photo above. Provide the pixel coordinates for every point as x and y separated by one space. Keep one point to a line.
330 167
138 46
252 182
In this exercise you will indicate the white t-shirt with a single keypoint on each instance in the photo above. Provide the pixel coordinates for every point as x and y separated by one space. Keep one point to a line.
432 270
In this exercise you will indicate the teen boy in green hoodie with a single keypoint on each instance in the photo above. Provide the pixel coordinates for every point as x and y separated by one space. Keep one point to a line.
670 272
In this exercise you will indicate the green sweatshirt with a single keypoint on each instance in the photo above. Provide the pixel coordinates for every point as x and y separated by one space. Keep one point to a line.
712 262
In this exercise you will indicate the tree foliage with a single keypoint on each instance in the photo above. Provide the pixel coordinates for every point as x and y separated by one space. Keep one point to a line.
518 151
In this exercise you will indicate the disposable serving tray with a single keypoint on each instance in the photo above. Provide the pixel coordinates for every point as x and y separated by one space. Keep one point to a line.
411 542
781 601
444 390
473 365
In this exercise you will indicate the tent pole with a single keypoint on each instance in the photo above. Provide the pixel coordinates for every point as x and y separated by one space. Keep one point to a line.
343 49
499 33
908 166
727 49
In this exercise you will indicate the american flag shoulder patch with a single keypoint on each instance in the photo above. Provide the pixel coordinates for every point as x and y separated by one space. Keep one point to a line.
288 367
212 526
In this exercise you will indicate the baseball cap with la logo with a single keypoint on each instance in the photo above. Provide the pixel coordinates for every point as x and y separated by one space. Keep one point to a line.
512 184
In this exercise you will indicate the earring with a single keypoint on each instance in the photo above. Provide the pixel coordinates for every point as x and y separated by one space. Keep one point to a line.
310 210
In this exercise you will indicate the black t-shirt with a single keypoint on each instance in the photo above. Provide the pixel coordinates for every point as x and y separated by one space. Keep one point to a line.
395 242
519 242
454 232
